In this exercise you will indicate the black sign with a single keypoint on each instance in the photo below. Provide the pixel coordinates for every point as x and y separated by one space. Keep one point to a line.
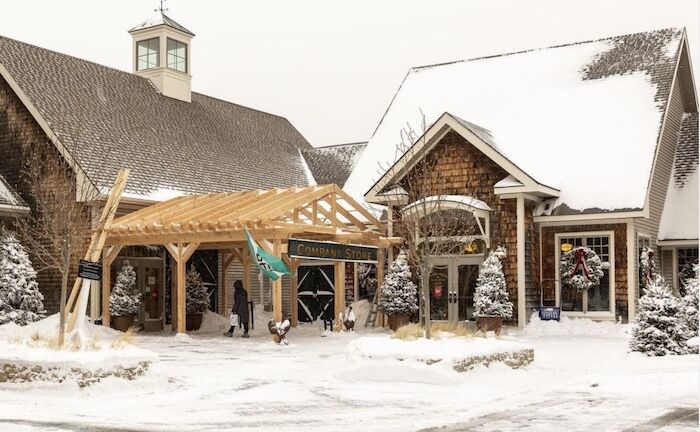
90 270
298 248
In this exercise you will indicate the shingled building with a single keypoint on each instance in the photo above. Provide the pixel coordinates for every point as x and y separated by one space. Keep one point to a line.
586 144
173 140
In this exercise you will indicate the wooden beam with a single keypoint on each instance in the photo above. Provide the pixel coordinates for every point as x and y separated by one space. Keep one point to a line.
334 210
277 286
339 280
246 271
361 209
380 280
108 257
181 301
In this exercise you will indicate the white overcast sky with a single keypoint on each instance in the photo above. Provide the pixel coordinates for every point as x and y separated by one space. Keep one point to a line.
332 66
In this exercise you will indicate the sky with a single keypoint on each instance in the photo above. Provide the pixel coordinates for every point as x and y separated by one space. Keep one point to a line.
331 67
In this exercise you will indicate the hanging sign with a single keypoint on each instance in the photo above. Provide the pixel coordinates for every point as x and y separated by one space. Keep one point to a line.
90 270
332 251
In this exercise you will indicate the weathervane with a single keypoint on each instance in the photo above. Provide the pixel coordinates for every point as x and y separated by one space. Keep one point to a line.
161 9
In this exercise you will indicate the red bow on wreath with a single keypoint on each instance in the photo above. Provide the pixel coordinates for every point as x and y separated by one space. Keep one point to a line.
580 255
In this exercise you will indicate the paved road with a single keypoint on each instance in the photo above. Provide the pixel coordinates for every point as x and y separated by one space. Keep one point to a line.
578 415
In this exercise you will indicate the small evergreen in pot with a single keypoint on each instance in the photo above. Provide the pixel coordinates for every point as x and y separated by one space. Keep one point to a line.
491 303
399 295
125 300
197 299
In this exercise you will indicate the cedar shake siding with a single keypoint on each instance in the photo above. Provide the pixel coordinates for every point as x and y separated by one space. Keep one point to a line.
19 131
461 169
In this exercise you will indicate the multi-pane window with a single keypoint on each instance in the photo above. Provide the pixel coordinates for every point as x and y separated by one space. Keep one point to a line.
686 258
147 54
597 298
177 55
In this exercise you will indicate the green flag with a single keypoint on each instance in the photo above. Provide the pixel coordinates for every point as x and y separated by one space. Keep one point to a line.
270 265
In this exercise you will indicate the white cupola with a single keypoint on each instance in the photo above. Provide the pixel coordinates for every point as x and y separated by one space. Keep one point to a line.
162 53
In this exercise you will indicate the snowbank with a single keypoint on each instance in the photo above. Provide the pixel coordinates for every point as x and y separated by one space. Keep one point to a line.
213 323
575 327
30 353
459 353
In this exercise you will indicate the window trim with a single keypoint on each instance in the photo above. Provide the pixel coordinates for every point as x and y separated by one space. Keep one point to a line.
187 55
157 39
609 314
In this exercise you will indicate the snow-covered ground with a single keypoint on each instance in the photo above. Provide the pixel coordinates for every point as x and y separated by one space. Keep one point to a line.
582 379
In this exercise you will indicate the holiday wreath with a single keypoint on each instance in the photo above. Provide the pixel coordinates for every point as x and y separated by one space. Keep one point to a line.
580 269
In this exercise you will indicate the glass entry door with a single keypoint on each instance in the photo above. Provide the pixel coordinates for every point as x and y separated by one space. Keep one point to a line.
451 287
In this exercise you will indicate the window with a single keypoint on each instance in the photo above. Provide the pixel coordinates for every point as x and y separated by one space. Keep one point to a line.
599 299
177 55
147 54
686 258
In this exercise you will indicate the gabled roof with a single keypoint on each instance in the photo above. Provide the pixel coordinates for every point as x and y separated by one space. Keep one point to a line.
564 115
10 201
679 220
111 119
160 19
333 164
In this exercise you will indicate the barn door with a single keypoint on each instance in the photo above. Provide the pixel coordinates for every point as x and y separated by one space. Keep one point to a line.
316 292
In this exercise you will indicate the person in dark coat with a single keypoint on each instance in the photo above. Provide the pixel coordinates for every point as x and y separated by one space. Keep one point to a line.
240 307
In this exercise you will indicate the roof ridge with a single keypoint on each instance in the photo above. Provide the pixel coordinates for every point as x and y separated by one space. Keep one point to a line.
342 145
131 74
486 57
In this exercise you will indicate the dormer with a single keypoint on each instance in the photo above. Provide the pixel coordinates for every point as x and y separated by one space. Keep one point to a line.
162 52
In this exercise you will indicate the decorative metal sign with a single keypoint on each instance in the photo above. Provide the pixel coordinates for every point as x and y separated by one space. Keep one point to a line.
90 270
311 249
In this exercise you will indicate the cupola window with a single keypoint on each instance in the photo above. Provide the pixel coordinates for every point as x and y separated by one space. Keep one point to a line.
177 55
147 54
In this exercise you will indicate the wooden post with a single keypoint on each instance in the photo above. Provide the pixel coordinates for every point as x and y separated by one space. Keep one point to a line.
294 286
226 263
173 294
356 281
108 257
180 253
181 302
246 271
380 280
106 291
277 286
339 288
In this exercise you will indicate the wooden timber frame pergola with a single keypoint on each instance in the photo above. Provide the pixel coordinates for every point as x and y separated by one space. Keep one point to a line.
216 221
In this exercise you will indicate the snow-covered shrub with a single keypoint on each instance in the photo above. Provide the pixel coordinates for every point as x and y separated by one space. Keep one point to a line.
689 308
659 327
491 295
196 293
125 299
647 266
686 275
399 295
20 299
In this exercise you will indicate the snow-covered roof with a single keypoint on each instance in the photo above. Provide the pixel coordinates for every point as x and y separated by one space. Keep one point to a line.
565 115
679 220
9 198
161 19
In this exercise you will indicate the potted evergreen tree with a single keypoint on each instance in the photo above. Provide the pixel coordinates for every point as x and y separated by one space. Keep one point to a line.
491 303
197 299
125 300
20 299
399 295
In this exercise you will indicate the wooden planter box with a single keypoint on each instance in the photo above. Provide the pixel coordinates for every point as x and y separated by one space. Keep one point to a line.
397 321
193 322
492 323
122 323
